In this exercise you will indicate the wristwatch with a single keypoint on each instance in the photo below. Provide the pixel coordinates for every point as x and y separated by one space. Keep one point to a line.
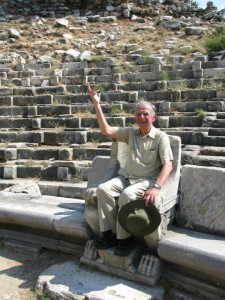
157 185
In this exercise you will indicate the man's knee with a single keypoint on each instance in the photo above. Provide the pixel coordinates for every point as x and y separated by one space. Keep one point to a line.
101 189
126 195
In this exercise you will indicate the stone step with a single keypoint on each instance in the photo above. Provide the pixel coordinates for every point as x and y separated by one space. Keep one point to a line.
193 106
34 152
26 100
190 255
55 220
203 160
214 141
217 131
203 155
80 121
215 151
221 115
50 188
46 137
219 123
52 137
63 94
74 171
210 161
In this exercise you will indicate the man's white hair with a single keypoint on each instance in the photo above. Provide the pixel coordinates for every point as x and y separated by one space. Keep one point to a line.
147 104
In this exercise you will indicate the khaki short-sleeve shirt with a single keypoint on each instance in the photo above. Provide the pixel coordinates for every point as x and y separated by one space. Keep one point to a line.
146 155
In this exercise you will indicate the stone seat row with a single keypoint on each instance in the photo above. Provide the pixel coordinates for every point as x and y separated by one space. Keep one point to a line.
109 63
29 154
80 130
69 95
119 95
32 152
56 223
59 164
65 117
70 171
113 72
28 78
77 172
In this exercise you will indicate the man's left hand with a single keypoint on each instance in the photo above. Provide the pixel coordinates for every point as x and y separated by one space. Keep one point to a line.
151 195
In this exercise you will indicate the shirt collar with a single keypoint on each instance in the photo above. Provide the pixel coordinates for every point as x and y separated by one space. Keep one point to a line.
151 133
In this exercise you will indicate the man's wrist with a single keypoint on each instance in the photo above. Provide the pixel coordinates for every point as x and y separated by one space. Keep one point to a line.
157 186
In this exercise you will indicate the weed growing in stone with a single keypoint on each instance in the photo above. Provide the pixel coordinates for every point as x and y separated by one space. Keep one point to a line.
201 113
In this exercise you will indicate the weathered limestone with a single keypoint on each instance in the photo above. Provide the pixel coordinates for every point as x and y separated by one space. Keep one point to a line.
58 216
207 187
73 282
195 261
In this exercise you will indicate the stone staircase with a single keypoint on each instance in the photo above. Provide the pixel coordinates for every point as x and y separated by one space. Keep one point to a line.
49 130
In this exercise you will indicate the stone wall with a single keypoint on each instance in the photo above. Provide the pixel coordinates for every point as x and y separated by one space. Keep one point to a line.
54 8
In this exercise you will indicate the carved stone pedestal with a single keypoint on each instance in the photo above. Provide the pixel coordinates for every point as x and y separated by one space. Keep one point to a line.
136 266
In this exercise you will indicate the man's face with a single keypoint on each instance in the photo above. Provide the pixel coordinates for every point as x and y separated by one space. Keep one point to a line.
144 117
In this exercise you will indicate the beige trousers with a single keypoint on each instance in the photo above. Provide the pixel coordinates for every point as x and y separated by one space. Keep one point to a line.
117 188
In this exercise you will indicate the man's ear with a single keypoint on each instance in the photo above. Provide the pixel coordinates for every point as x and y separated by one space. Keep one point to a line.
154 118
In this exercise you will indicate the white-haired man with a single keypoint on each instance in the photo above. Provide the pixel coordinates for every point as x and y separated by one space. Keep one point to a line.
149 163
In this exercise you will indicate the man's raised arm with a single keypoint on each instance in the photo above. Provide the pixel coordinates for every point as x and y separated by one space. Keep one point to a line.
105 128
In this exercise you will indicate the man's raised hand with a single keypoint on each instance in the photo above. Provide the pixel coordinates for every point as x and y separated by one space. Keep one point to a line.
93 94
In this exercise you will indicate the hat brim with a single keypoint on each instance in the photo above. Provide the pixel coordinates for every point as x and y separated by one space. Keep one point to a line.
151 210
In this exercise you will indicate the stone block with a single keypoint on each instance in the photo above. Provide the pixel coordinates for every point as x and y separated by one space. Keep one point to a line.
65 154
25 153
202 253
89 123
64 173
5 91
50 90
21 123
54 80
35 81
103 78
133 97
196 65
10 172
116 77
6 101
36 123
29 171
45 154
54 110
31 137
175 59
195 206
25 82
49 189
23 91
8 136
220 93
161 85
72 190
163 122
32 100
10 154
164 107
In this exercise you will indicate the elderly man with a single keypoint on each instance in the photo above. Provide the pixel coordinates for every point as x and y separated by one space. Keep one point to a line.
149 163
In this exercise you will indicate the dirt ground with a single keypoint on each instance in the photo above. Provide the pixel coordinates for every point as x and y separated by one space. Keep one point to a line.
19 271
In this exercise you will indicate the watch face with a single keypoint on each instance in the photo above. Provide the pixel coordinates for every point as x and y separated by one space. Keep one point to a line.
156 185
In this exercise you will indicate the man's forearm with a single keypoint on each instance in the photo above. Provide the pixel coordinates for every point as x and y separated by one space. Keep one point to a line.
103 124
165 172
